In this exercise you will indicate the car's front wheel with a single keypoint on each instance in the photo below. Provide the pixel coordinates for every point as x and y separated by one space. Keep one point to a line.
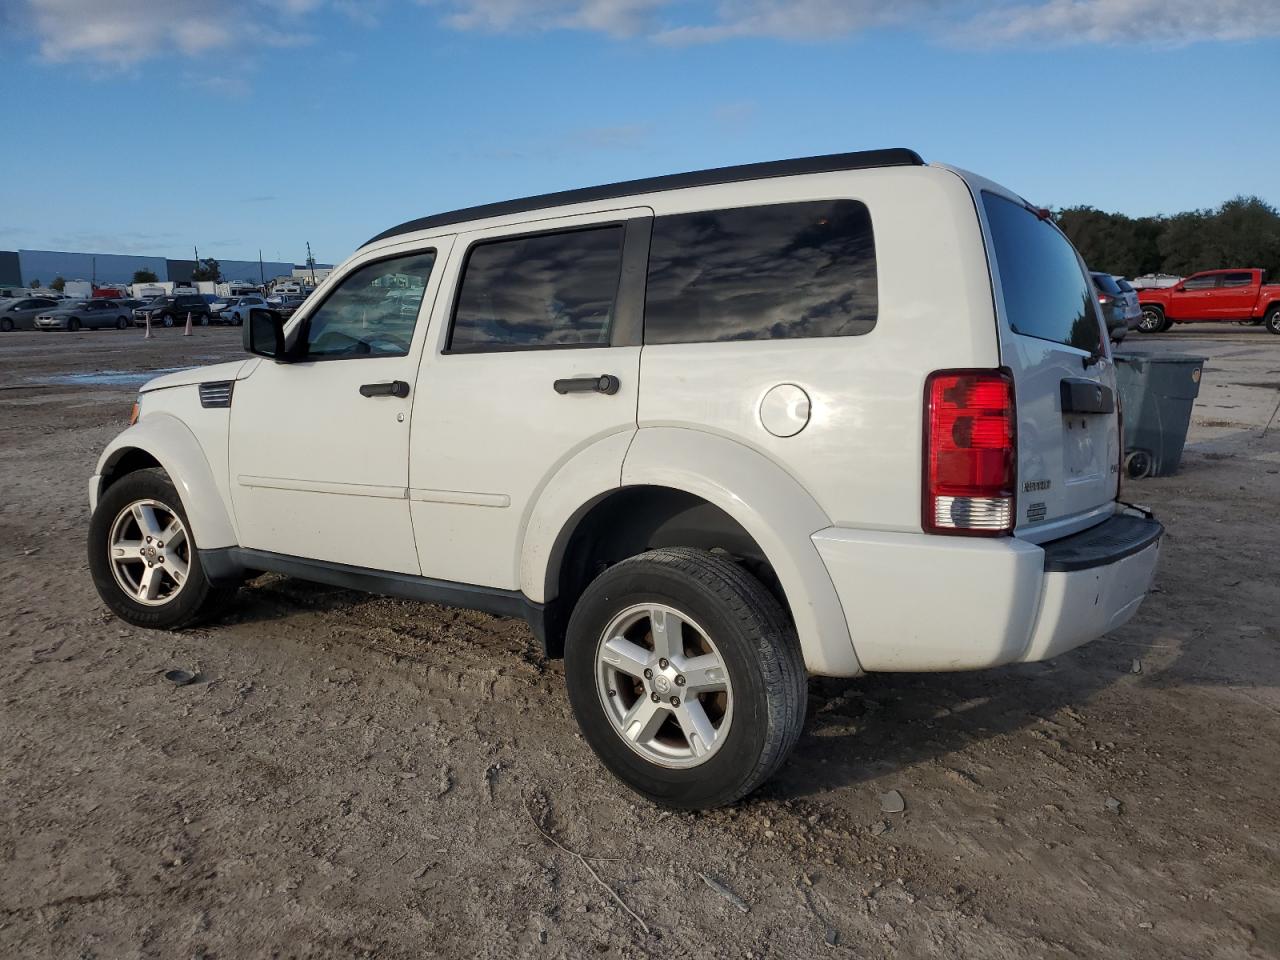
144 559
685 677
73 325
122 323
1273 320
6 325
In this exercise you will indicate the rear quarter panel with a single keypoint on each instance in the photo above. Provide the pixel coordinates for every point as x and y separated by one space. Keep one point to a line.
859 456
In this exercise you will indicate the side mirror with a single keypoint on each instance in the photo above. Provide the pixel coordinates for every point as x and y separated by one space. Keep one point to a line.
1180 288
263 334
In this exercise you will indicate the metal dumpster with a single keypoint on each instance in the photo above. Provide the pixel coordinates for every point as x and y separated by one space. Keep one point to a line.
1157 392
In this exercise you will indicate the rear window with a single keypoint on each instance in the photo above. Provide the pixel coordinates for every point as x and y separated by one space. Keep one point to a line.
1045 293
1106 284
773 272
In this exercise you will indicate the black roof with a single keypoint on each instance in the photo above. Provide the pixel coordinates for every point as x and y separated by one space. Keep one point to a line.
830 163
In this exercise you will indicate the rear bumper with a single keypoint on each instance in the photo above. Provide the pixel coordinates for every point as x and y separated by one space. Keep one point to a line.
916 602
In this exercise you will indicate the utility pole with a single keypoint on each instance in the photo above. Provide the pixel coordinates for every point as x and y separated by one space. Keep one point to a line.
262 276
94 277
196 251
311 262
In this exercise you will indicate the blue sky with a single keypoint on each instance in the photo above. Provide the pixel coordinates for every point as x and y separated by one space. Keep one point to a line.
247 124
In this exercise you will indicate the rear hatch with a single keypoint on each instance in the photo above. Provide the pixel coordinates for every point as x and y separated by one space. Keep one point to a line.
1052 340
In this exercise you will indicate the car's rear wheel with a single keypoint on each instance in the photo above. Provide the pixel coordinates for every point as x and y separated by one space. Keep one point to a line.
1152 320
685 677
235 319
1273 320
167 320
122 323
144 559
73 325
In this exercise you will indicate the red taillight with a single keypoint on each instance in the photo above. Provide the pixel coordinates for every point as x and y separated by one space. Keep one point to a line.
970 453
1103 298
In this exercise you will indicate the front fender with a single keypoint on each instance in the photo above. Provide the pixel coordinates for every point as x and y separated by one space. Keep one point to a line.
770 505
176 449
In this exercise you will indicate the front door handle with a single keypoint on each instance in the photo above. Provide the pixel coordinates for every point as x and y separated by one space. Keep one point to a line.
396 388
606 383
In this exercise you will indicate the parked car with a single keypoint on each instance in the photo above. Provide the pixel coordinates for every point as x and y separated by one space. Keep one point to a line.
93 314
170 310
1111 298
819 432
238 308
20 313
1235 295
288 304
140 312
1132 308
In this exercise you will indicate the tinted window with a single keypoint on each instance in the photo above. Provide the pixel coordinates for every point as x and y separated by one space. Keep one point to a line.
552 290
1106 284
1237 280
1202 283
1125 286
762 273
1045 293
373 312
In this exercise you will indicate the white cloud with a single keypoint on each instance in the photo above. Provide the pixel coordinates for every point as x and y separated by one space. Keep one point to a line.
124 32
981 22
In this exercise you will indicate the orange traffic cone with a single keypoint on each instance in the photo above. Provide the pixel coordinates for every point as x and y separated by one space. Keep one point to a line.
187 332
149 335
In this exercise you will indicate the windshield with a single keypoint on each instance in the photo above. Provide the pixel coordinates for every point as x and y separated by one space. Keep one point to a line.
1046 295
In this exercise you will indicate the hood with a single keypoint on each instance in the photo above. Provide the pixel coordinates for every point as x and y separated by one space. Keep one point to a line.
234 370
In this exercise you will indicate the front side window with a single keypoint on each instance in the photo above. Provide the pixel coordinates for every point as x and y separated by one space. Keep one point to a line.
1046 295
544 290
770 272
1201 283
373 311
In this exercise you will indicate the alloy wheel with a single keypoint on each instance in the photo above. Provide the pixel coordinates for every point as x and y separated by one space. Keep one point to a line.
664 685
150 552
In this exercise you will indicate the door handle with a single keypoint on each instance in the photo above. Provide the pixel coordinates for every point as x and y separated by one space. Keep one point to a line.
396 388
606 383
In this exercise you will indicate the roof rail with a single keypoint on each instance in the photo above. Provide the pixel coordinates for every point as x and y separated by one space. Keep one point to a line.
830 163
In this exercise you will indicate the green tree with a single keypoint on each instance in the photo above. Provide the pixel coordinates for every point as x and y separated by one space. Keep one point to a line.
57 284
207 269
144 276
35 284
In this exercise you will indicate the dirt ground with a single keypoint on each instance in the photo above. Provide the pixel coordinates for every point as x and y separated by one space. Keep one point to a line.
359 776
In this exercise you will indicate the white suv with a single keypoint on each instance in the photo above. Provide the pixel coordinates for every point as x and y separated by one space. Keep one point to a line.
709 434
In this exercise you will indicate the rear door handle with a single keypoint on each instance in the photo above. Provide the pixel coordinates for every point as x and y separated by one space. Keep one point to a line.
396 388
606 383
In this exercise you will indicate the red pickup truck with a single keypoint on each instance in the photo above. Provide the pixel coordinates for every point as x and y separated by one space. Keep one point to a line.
1212 295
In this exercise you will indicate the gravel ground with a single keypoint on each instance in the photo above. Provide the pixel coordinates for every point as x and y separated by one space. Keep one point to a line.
360 776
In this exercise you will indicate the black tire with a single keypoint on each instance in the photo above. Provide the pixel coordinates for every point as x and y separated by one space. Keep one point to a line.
73 325
167 319
1138 464
235 320
204 319
1272 320
122 323
6 325
756 642
197 600
1153 320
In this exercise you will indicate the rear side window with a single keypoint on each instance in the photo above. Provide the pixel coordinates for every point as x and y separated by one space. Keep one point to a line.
771 272
1237 280
1045 293
539 291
